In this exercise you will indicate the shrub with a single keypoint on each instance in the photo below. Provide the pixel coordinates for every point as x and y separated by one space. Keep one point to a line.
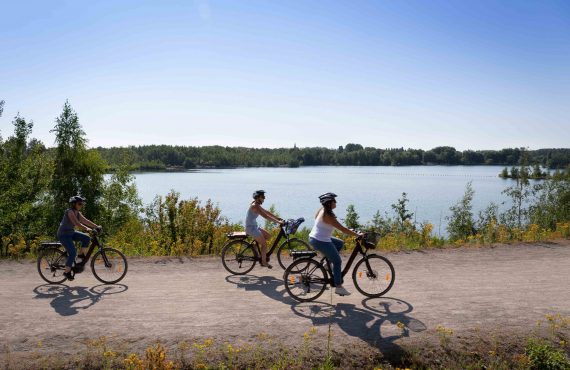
544 356
461 224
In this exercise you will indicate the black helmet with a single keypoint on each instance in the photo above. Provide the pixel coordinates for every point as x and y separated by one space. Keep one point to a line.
258 193
76 198
326 197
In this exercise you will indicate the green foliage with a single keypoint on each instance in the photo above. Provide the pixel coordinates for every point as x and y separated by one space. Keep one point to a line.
552 202
120 202
24 175
178 227
77 170
460 222
543 356
520 195
403 214
352 217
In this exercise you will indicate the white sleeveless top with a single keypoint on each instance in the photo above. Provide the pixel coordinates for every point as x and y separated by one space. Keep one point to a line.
321 230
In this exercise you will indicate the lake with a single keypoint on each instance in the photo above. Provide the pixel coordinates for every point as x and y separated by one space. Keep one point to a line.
294 191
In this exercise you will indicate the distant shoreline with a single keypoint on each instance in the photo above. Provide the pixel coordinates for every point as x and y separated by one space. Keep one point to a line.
182 169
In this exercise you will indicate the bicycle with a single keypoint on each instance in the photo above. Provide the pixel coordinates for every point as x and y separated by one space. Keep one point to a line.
306 278
239 255
108 265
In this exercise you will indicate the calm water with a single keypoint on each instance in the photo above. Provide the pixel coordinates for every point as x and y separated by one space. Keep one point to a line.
431 189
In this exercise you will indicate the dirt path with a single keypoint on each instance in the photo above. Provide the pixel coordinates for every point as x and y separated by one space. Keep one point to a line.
506 288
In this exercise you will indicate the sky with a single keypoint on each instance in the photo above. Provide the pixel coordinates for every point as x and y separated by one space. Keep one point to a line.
414 74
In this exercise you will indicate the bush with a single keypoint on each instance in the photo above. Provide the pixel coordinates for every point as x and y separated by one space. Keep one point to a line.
544 356
461 224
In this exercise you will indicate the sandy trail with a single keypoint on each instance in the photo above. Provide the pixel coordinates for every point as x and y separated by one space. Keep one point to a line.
506 287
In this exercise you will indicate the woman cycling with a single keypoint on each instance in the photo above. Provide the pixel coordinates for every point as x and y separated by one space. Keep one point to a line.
251 228
322 241
67 234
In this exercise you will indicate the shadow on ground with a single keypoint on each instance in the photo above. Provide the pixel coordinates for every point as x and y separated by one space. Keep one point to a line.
379 321
68 301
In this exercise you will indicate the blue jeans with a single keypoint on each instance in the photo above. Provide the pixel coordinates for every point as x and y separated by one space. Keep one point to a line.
67 241
330 250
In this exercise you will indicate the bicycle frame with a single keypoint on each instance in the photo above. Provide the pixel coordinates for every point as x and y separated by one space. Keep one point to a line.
281 234
95 242
355 252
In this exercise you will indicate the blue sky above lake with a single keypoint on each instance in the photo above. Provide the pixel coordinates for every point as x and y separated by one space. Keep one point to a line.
471 74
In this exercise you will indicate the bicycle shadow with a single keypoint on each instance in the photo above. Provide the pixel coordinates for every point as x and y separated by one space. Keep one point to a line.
379 322
268 285
68 301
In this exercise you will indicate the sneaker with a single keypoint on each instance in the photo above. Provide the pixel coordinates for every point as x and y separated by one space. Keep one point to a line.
341 291
68 275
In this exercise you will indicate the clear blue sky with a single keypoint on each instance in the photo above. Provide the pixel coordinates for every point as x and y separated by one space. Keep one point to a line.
471 74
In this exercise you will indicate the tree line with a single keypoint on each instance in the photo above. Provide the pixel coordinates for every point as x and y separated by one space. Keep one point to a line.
163 157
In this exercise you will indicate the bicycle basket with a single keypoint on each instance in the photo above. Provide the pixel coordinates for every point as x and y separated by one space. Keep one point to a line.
371 240
293 225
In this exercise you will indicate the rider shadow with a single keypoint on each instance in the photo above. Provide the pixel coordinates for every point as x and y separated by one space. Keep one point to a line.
379 322
268 285
67 301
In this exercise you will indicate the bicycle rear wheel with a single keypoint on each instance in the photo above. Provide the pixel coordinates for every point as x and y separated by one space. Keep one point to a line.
373 275
109 266
305 280
238 257
51 265
289 246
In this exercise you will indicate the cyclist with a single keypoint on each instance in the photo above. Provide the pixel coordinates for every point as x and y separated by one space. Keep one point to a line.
322 241
66 233
251 228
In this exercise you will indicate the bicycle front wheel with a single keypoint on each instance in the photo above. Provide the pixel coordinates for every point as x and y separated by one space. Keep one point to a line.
373 275
238 257
109 266
287 247
51 265
305 280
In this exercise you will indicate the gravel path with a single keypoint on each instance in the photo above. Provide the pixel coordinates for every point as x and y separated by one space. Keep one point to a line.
506 288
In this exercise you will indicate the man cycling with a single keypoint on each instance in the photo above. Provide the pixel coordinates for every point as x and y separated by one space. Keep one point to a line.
66 233
251 228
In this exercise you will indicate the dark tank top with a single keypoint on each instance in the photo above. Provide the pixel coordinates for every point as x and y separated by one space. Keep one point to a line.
66 227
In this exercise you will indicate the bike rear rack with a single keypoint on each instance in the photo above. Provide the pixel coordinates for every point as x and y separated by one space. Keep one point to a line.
303 254
50 244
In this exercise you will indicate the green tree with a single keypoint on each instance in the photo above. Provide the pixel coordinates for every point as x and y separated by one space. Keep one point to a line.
24 174
537 172
77 170
520 195
352 217
120 202
403 214
460 222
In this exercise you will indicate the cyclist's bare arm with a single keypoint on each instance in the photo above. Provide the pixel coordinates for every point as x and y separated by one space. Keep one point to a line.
334 222
76 222
87 222
266 214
